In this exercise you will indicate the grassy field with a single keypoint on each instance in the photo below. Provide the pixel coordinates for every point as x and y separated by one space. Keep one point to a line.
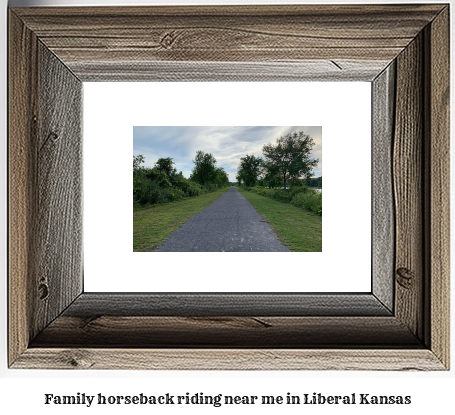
300 231
152 226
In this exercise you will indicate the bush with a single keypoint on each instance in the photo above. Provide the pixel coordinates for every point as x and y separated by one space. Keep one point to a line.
209 187
277 194
193 189
297 190
152 192
160 185
311 201
189 188
170 194
147 192
302 197
282 195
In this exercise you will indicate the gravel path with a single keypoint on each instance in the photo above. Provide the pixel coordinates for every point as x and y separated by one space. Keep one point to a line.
230 224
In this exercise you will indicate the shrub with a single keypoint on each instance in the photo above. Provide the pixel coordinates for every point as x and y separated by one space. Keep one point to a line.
189 188
209 187
311 201
302 197
161 184
171 194
193 189
297 190
282 195
148 192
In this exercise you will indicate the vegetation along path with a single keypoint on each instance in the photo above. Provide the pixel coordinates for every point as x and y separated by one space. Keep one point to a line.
230 224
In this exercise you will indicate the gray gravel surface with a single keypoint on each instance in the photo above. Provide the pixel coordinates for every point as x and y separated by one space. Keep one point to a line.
230 224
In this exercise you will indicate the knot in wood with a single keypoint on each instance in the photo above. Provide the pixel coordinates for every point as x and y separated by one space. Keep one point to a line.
43 291
168 40
76 359
405 278
53 136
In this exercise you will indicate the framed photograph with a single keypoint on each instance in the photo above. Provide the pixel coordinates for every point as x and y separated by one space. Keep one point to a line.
343 108
401 323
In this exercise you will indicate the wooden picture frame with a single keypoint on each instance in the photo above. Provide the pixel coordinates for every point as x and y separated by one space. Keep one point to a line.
403 324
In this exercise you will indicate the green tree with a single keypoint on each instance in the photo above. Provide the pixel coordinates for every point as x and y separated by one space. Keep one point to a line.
158 177
165 165
314 182
271 176
138 171
137 161
290 156
221 177
249 170
204 171
239 178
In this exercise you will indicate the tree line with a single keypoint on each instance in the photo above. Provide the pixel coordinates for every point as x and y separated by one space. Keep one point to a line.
162 184
313 182
283 164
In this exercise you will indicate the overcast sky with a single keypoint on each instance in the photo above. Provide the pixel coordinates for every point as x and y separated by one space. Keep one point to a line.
227 144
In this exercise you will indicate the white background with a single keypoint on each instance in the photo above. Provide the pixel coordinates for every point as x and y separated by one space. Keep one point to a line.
22 391
112 109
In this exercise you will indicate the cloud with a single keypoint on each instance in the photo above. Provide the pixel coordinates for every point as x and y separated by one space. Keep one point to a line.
227 144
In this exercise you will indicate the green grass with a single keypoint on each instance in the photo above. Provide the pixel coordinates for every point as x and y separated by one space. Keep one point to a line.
300 231
152 226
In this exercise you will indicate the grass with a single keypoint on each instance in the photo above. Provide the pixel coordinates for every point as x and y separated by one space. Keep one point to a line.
300 231
152 226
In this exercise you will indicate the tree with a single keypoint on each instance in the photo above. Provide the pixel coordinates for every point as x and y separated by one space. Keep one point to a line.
249 170
157 176
221 177
290 156
204 170
138 173
314 182
137 161
271 175
165 165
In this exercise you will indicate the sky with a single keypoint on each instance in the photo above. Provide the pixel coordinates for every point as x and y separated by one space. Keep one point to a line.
226 144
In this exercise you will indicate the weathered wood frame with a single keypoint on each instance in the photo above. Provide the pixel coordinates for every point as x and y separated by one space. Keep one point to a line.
403 50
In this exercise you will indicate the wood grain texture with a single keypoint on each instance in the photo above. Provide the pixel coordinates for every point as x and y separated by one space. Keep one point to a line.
22 95
308 71
58 211
439 190
44 187
213 305
257 332
408 188
229 359
227 34
383 214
